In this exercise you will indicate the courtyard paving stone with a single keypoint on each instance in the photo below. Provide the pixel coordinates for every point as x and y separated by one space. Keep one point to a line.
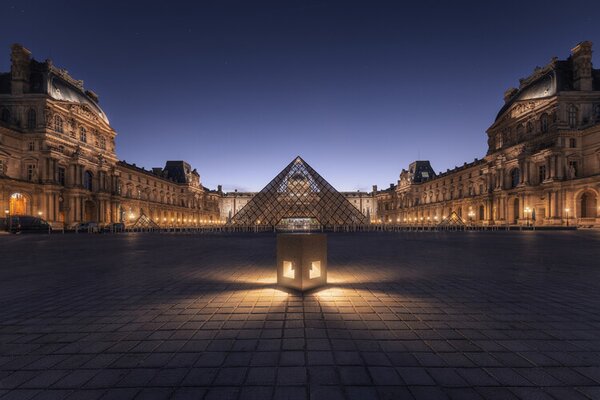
448 315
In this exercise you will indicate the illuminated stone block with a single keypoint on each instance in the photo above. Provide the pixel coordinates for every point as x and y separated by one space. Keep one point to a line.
301 260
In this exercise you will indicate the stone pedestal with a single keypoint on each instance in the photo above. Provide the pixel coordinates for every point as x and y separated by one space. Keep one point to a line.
301 260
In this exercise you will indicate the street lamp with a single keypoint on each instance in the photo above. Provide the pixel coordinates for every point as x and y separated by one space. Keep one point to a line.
567 211
471 215
527 210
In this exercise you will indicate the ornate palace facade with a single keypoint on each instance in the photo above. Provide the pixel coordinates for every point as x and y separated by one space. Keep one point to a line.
542 164
58 160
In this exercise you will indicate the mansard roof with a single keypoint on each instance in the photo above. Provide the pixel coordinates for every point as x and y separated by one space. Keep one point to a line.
45 78
545 82
557 76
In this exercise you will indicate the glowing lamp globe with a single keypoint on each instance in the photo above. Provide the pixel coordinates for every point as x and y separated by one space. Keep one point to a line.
301 260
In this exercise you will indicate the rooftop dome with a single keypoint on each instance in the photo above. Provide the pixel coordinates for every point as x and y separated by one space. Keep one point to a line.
61 90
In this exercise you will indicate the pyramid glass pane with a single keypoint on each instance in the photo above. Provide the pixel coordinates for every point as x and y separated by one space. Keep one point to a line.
298 192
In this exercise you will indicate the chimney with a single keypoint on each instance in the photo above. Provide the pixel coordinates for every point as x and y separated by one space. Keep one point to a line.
219 188
581 57
374 189
20 58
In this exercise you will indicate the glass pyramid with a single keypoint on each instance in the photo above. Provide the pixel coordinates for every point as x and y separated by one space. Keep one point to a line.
298 192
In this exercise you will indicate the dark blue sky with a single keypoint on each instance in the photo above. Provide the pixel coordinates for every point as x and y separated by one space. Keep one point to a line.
358 88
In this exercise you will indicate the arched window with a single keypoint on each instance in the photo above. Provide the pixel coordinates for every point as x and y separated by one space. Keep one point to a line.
544 123
87 180
31 119
529 127
515 177
58 124
5 116
83 134
519 131
572 116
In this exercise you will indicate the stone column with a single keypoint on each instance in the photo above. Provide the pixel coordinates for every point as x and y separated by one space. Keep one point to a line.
552 167
560 168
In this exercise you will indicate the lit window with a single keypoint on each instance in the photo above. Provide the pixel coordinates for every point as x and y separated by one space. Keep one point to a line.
315 270
288 270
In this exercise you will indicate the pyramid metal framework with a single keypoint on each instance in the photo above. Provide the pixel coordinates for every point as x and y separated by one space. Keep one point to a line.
298 192
453 220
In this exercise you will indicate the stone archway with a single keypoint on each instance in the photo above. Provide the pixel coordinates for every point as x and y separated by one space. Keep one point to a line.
90 212
19 204
587 205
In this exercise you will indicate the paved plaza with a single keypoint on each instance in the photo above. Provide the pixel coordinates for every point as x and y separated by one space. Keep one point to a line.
412 315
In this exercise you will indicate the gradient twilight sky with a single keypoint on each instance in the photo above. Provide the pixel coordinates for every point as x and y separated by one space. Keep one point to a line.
359 89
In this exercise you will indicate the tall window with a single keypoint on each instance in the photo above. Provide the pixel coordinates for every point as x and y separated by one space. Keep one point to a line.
31 146
31 172
515 177
529 127
102 142
499 140
87 180
58 124
541 173
83 134
572 115
61 176
31 119
544 123
572 143
5 115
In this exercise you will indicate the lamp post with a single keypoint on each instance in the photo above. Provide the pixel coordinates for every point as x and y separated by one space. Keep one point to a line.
471 215
8 219
527 211
567 211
